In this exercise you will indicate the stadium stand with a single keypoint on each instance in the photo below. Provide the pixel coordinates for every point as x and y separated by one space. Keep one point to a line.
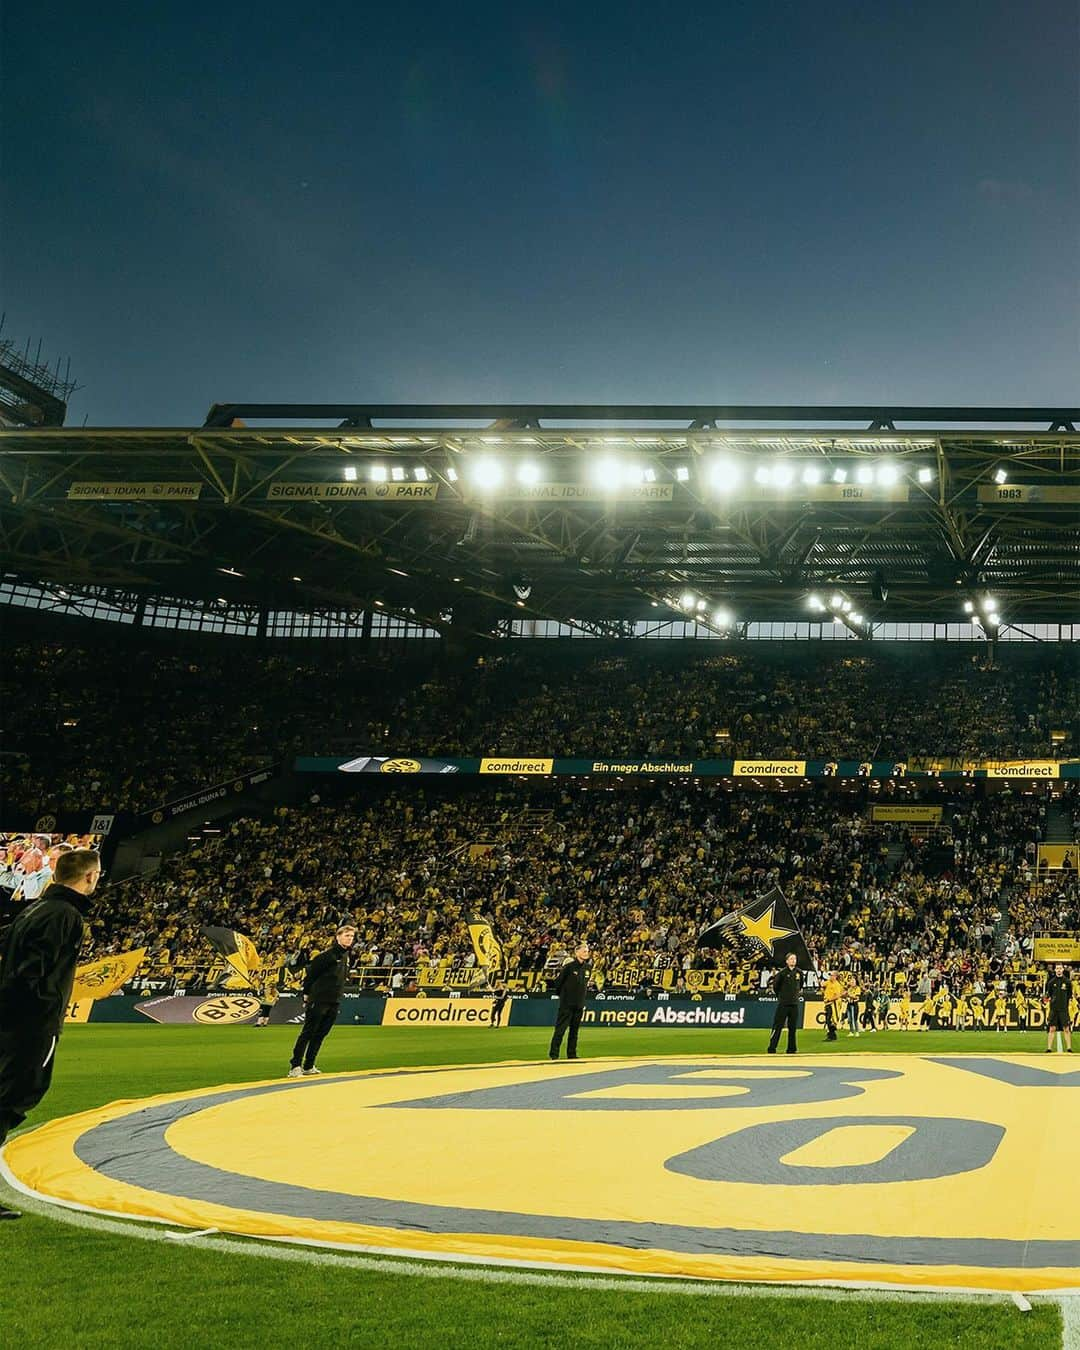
122 726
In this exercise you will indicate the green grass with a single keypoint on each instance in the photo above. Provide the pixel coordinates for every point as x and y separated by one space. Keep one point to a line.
71 1286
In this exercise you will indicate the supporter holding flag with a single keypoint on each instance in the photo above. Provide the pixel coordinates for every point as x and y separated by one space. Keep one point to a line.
764 927
767 927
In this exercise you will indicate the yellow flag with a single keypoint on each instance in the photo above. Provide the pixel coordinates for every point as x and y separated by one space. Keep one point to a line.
99 979
239 951
486 945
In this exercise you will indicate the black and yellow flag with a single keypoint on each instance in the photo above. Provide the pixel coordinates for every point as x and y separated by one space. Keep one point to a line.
486 945
99 979
238 950
765 927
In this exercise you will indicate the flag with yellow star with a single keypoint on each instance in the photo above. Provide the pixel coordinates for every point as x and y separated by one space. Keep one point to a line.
763 929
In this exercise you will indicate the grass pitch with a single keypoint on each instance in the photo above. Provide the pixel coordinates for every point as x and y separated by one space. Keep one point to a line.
81 1285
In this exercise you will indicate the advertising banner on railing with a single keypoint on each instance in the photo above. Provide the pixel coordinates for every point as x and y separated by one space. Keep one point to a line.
207 795
444 1012
627 1013
912 814
757 770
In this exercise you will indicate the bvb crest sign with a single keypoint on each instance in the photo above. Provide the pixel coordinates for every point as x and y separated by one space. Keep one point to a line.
937 1171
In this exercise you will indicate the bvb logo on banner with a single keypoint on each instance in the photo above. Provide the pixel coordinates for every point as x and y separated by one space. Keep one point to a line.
906 1170
400 766
228 1008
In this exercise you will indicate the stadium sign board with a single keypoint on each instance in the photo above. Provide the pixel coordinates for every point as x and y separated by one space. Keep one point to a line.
135 492
352 492
1020 770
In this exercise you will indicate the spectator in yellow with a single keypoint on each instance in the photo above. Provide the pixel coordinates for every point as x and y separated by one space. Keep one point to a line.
832 994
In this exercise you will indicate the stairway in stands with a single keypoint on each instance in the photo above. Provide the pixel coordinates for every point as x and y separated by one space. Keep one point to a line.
1058 823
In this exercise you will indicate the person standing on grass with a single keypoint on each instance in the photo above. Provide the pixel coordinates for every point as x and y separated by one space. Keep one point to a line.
37 972
324 984
500 994
1056 997
571 987
832 995
787 985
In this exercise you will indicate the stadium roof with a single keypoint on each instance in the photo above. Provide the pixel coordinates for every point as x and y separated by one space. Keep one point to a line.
596 515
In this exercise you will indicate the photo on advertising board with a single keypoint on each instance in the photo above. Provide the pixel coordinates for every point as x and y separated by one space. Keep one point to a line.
27 860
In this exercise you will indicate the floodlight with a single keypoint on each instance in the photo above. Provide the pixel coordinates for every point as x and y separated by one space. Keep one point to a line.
528 473
486 473
724 474
864 474
606 473
926 475
783 474
349 473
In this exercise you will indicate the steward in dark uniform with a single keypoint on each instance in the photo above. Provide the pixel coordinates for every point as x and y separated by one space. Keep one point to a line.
36 976
324 984
571 987
1057 994
500 995
787 985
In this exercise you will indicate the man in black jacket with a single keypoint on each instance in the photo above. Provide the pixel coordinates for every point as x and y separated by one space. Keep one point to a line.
36 976
787 985
324 983
571 987
1057 994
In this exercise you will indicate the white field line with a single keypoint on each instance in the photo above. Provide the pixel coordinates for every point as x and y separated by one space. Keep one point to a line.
1070 1323
439 1268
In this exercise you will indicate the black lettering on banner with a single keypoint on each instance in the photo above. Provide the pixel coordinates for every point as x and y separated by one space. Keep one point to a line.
938 1147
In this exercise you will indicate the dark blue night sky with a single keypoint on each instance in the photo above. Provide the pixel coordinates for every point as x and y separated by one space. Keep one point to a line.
756 202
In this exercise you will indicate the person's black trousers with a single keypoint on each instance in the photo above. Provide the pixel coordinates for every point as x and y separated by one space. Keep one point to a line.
27 1055
785 1013
318 1019
830 1021
568 1020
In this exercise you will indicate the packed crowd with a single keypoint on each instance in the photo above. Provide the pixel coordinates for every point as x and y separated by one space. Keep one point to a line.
638 873
125 724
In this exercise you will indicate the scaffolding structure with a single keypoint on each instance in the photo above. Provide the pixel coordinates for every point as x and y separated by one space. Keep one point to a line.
33 393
